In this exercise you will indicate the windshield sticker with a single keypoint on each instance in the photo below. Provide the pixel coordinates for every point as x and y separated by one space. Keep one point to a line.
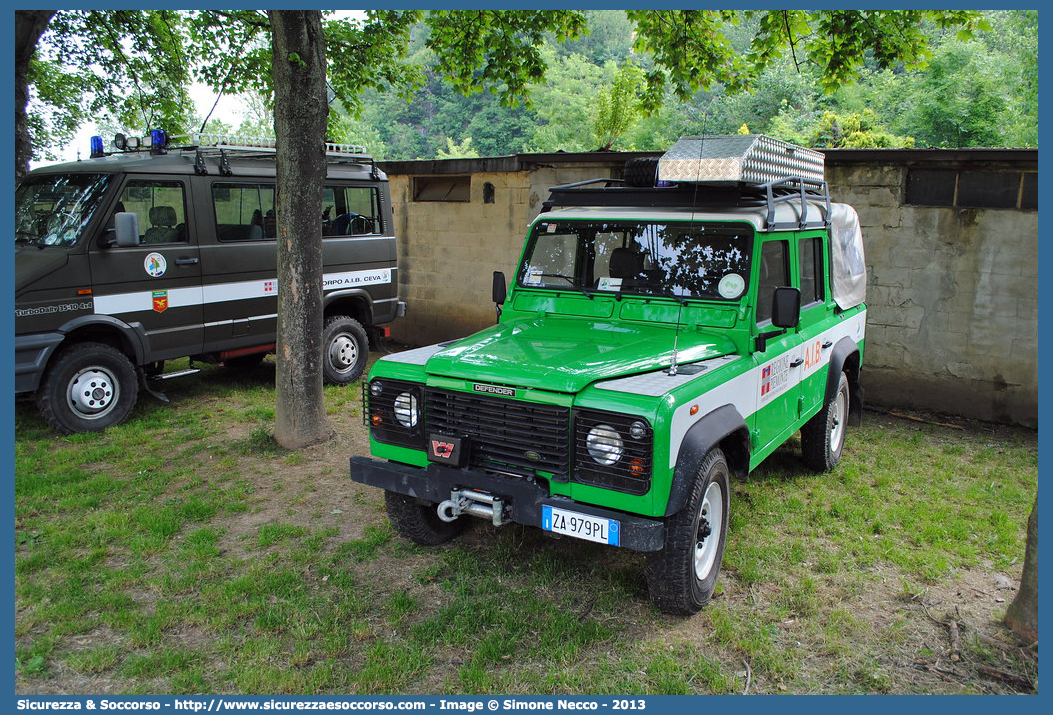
155 265
610 283
731 286
533 276
550 227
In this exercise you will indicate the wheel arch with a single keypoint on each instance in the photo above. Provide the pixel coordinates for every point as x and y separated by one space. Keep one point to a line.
107 330
845 357
355 304
724 427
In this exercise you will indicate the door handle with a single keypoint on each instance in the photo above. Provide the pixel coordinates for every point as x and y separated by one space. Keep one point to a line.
828 344
187 261
797 363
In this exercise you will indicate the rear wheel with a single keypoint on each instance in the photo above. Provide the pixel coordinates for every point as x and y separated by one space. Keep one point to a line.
419 521
681 577
346 350
823 436
87 388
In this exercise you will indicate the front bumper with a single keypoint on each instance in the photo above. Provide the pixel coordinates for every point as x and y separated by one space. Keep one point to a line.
31 356
526 498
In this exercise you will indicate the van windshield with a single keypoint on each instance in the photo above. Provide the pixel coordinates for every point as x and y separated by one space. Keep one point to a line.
675 259
54 209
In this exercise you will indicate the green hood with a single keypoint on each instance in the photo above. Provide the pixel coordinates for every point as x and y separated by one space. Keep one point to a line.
566 354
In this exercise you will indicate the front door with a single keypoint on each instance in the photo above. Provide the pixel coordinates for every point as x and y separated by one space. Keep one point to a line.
778 366
156 286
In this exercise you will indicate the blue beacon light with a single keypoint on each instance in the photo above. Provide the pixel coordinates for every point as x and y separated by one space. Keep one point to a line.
97 148
158 141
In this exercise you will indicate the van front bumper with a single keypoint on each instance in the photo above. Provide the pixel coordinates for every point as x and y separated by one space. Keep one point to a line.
31 355
526 499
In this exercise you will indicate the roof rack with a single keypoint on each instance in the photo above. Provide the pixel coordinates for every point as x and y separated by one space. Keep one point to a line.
615 192
229 145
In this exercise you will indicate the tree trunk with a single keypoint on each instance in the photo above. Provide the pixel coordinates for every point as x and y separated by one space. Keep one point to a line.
300 110
29 26
1022 615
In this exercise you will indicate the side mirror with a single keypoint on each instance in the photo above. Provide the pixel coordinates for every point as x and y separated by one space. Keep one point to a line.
786 307
126 224
500 290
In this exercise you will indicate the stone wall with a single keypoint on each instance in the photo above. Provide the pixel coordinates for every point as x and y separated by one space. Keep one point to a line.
952 292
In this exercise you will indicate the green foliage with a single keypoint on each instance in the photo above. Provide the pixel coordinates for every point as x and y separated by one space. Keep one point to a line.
464 150
857 130
618 106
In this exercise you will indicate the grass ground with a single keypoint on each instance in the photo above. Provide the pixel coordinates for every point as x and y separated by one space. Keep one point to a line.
185 552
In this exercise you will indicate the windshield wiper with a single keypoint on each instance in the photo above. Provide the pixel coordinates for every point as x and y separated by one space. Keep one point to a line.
568 279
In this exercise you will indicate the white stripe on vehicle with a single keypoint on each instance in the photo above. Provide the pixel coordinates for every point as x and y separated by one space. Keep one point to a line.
226 292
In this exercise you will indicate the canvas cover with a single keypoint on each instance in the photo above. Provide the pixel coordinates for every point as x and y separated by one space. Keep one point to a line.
846 245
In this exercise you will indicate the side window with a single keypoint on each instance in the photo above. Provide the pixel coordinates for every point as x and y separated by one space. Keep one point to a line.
810 259
161 208
350 211
774 272
244 212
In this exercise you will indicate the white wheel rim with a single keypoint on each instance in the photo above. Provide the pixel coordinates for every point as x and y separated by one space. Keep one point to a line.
837 421
710 526
343 353
93 392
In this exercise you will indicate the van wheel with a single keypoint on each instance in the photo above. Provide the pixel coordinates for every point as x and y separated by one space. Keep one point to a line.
823 436
420 523
346 350
88 387
681 577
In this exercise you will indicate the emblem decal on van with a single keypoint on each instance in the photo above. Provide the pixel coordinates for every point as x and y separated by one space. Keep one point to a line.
494 390
155 264
160 300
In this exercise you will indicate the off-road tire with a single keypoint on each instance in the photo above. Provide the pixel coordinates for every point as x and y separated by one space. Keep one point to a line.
641 172
419 522
681 577
345 350
87 388
823 436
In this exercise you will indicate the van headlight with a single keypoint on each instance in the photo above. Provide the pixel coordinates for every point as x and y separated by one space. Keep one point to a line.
406 411
604 444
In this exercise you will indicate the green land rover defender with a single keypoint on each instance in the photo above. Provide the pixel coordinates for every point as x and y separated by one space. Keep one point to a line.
663 332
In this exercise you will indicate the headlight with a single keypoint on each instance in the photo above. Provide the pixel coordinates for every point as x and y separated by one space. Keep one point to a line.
406 410
604 444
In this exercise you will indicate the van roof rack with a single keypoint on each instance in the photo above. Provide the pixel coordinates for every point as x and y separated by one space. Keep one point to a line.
226 146
616 192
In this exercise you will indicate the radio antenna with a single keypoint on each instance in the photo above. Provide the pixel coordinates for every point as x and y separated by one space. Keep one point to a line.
694 198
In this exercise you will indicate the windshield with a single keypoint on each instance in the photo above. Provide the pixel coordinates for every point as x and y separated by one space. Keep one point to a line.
54 209
681 259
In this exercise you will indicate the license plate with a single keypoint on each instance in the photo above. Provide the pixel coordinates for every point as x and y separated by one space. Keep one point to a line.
581 526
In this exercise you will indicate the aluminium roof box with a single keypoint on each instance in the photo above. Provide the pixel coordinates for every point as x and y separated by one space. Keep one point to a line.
738 158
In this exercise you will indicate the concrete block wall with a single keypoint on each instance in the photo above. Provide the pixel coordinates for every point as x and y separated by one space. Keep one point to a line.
952 298
952 293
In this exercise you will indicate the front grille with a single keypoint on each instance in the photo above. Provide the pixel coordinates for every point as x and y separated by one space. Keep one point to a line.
503 433
631 473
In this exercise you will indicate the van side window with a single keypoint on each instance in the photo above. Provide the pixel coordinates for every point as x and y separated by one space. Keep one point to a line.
350 211
810 259
161 209
244 212
774 272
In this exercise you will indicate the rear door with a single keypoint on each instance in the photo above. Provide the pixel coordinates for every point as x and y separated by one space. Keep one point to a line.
156 286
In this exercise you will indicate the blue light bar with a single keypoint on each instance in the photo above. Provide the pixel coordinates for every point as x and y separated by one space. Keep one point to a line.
97 148
158 141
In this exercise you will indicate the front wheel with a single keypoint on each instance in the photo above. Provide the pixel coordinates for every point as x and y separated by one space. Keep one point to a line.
420 522
346 350
823 436
681 577
88 387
